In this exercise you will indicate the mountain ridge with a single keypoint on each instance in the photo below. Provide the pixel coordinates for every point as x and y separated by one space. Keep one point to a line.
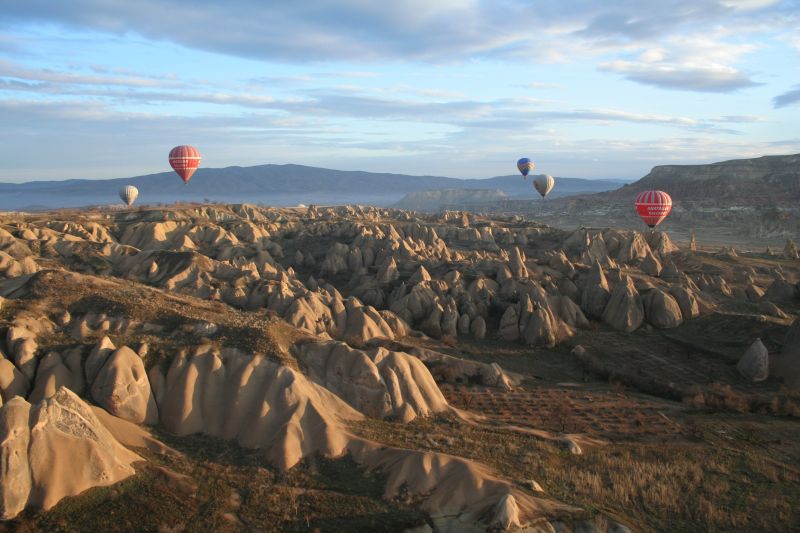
269 184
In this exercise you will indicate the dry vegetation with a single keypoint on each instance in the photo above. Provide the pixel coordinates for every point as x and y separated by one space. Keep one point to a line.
705 480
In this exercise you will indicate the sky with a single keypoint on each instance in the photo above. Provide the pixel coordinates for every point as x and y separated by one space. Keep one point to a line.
461 88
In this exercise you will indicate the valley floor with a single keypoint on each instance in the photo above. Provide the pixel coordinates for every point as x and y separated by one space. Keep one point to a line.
417 335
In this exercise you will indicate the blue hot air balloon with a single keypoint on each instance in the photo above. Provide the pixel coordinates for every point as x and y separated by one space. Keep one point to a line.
525 165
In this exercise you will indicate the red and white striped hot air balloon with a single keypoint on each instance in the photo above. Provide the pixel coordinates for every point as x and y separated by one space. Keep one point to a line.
653 206
184 160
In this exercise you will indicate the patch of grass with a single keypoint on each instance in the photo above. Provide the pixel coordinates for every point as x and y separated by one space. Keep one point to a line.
722 397
671 486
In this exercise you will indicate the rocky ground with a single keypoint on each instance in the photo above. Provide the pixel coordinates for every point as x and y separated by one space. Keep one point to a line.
235 368
747 226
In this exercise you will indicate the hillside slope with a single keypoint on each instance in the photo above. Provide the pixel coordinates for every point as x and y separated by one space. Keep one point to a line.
433 200
774 179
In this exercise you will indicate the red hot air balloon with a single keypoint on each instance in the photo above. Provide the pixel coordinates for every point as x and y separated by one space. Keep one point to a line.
184 160
653 207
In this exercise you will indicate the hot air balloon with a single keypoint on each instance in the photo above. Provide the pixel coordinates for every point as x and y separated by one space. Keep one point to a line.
544 184
184 160
525 165
653 206
128 194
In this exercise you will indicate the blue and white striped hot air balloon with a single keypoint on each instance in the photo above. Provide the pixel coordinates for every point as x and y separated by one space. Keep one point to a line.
525 165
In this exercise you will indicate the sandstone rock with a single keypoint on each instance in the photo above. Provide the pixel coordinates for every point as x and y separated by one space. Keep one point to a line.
754 364
355 261
595 294
503 274
12 381
478 328
97 358
540 329
770 309
624 310
517 264
509 324
780 290
449 369
335 259
432 326
568 311
561 263
687 301
398 326
719 285
754 293
15 474
634 248
388 273
56 371
650 266
660 243
790 251
569 289
205 329
123 389
62 319
670 271
376 382
573 447
55 449
257 402
727 252
463 324
615 240
661 309
596 252
449 323
24 352
459 492
420 275
506 514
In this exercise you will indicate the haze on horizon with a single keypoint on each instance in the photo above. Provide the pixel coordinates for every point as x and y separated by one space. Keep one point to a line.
460 88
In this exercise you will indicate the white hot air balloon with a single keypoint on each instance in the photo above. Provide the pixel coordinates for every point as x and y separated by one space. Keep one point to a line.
544 184
128 194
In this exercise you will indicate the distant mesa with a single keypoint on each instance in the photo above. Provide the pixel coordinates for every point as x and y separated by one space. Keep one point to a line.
760 180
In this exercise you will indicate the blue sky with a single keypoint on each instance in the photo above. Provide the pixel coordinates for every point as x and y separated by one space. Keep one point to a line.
102 89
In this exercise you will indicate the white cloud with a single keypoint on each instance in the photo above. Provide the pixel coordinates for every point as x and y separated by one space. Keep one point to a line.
689 62
318 30
746 5
9 69
788 98
712 78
